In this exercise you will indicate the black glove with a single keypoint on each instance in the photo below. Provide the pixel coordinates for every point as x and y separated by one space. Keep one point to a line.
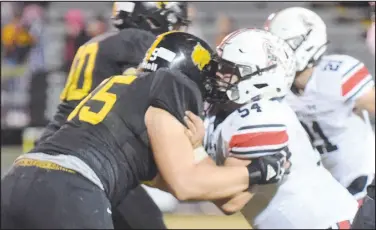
269 169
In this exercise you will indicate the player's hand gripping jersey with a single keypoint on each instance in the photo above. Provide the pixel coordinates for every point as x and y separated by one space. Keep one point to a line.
325 108
309 197
103 56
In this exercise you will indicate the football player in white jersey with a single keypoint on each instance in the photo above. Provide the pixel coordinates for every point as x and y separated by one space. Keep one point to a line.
326 92
260 123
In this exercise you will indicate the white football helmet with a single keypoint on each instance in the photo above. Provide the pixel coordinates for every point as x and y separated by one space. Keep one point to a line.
264 63
303 30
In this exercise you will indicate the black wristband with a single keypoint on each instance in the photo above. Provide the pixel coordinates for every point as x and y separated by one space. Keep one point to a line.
254 172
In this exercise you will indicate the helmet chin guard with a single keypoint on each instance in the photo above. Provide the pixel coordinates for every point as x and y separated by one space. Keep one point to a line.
238 93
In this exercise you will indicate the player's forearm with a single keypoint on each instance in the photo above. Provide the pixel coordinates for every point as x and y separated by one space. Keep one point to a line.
234 204
208 182
367 102
176 161
370 108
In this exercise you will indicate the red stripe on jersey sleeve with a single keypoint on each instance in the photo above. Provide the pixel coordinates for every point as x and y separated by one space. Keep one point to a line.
344 225
354 80
258 139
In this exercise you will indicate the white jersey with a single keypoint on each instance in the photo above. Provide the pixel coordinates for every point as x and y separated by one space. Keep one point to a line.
325 109
309 197
266 133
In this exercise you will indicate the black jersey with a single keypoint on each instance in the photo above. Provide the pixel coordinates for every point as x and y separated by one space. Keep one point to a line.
107 129
103 56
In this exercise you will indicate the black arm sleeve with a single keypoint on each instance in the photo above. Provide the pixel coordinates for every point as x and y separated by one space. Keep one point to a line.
175 93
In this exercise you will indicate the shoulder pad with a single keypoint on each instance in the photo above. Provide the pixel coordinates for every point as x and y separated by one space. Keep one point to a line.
256 130
350 73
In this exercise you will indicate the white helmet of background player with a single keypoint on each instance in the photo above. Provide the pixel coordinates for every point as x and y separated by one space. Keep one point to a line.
303 30
264 63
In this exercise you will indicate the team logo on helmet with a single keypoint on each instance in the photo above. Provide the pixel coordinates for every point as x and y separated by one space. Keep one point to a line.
200 56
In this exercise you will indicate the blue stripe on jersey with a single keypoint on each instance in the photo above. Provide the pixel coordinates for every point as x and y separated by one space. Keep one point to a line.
262 126
351 69
252 152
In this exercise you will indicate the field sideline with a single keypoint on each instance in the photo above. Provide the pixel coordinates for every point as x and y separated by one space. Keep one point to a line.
173 221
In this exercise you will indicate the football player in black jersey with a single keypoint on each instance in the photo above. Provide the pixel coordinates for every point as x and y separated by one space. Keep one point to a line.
115 52
127 130
111 54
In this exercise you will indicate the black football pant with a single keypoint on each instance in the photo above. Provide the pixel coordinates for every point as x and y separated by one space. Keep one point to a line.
36 198
138 211
365 218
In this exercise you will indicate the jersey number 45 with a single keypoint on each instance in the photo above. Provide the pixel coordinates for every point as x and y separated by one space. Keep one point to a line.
100 94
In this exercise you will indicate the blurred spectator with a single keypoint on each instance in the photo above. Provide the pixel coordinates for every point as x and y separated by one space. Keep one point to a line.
33 19
76 35
23 41
43 4
16 40
96 27
225 26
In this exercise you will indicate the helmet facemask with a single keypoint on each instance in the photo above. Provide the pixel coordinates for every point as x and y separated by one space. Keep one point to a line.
212 92
297 45
222 77
231 76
